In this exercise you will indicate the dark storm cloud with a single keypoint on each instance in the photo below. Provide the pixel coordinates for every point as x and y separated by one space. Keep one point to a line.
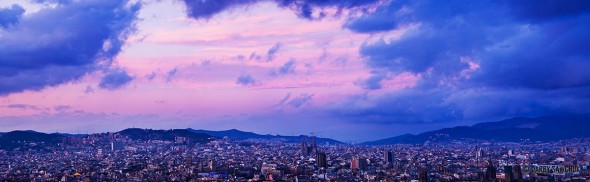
245 80
37 53
373 82
448 105
497 36
115 79
10 15
477 60
207 8
52 1
372 23
406 106
303 8
542 10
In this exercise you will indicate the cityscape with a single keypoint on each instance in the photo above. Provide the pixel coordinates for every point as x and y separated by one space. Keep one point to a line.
136 154
295 90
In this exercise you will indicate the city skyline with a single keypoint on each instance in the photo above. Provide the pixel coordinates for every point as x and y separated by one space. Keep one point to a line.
374 68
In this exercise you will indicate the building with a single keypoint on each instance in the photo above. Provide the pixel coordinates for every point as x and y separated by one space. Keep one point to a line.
182 140
115 146
72 141
508 175
304 146
363 164
314 145
490 172
517 171
321 160
358 163
423 176
479 153
388 156
354 163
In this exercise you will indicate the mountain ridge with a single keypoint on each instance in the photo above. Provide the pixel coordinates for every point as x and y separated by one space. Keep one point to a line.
244 135
22 138
168 135
545 128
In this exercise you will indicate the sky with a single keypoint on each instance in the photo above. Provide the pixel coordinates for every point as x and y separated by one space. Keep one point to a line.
345 69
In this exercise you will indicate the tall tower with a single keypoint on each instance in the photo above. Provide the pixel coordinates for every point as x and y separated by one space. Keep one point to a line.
388 156
358 163
321 160
508 175
354 163
304 146
313 142
490 172
517 172
423 176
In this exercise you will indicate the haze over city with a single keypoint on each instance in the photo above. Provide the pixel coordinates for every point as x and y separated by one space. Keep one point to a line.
343 69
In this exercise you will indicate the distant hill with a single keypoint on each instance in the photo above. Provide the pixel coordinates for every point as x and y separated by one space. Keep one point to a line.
516 129
14 139
166 135
73 135
242 135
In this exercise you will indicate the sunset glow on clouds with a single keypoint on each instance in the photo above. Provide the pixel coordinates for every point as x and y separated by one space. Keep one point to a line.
375 68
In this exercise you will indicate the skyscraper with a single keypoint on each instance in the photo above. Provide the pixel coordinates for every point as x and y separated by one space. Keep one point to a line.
423 176
313 142
362 164
516 170
358 163
354 163
304 146
388 156
490 172
321 160
117 146
508 175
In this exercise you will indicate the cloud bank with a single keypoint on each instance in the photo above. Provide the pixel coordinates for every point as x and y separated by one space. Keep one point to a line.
205 9
477 60
61 43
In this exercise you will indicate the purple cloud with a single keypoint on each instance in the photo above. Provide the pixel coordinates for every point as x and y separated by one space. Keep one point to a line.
303 8
300 100
29 61
287 68
10 15
245 80
115 79
273 50
171 74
